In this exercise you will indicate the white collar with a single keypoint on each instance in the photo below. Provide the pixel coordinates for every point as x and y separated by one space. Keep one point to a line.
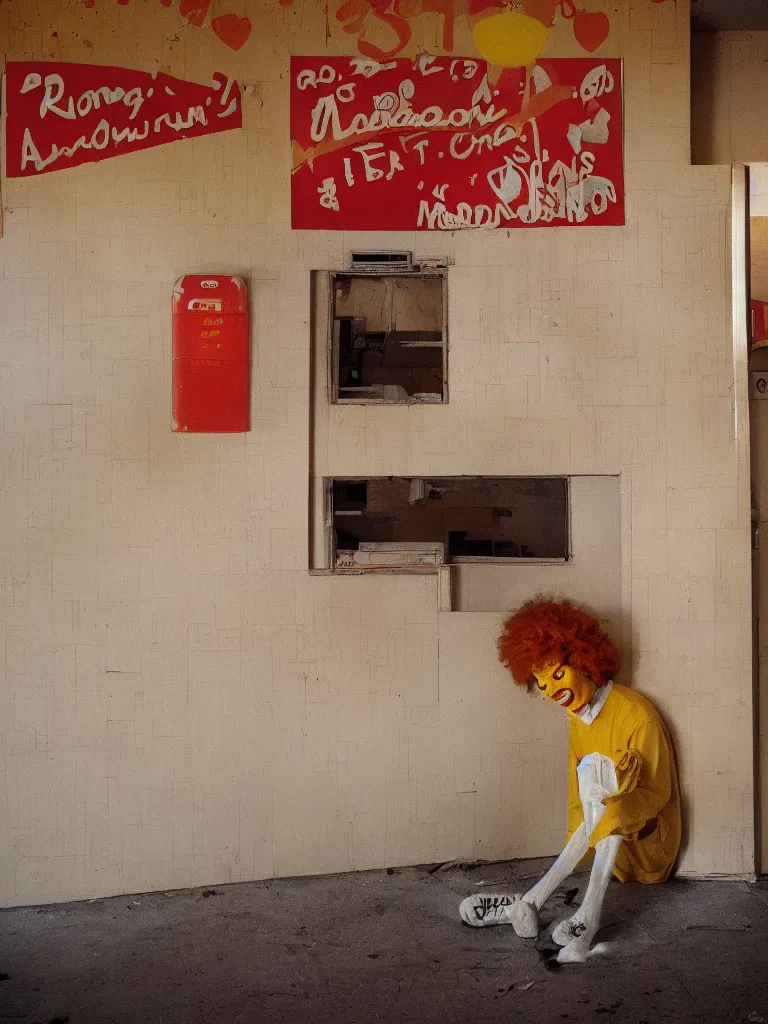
590 712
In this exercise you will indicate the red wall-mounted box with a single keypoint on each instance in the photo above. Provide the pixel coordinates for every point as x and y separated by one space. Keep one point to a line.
210 354
759 323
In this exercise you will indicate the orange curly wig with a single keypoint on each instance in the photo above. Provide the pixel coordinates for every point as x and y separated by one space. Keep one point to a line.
545 632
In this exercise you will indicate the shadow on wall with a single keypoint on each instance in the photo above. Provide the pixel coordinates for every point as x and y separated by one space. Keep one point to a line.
705 48
629 677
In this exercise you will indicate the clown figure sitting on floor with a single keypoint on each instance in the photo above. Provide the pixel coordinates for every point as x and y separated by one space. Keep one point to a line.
623 794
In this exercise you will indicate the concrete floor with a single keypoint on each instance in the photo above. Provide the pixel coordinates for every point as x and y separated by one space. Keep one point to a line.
384 946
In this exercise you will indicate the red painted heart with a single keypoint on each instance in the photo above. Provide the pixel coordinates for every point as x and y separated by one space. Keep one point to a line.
232 30
590 29
541 10
194 11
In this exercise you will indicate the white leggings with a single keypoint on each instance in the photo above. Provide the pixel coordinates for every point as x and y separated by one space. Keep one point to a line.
597 779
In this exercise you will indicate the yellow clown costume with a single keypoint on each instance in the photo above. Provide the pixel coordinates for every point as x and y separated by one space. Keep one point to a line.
623 792
624 726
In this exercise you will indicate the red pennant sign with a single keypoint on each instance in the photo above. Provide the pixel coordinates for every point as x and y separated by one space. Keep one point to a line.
61 115
438 143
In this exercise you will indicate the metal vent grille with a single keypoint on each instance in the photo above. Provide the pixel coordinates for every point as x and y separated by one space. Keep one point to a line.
381 260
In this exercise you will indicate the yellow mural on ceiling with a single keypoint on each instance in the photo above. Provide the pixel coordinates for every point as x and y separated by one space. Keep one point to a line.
507 33
510 39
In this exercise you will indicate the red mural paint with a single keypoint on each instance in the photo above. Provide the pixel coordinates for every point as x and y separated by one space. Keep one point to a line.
590 29
61 115
480 6
194 11
430 144
231 30
542 10
759 323
354 14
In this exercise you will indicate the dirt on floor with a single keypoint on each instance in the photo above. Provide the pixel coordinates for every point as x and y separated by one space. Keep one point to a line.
385 946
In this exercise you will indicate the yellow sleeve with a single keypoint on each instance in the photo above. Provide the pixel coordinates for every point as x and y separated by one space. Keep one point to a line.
627 813
575 813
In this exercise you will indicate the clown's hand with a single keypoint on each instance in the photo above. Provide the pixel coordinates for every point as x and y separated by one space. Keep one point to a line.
629 765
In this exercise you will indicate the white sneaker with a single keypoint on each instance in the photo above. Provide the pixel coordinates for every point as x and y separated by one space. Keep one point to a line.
484 909
567 930
575 936
577 951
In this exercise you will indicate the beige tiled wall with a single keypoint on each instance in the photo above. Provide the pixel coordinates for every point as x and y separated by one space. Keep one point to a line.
729 94
183 703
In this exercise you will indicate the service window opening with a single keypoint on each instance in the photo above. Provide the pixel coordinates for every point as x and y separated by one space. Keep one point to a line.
414 521
388 338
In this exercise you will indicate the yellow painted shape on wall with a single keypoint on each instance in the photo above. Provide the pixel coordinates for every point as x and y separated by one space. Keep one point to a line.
510 39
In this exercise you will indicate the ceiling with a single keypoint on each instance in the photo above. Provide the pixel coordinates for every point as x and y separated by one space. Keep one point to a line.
721 15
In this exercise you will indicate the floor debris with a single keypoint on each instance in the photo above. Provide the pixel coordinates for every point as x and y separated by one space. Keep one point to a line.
368 947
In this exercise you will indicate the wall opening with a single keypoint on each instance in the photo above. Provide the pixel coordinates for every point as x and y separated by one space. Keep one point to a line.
591 573
417 521
388 338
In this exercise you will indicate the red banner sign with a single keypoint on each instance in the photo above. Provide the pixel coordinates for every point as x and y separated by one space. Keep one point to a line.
61 115
436 144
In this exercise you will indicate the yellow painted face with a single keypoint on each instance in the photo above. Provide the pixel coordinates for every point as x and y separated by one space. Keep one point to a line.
566 686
